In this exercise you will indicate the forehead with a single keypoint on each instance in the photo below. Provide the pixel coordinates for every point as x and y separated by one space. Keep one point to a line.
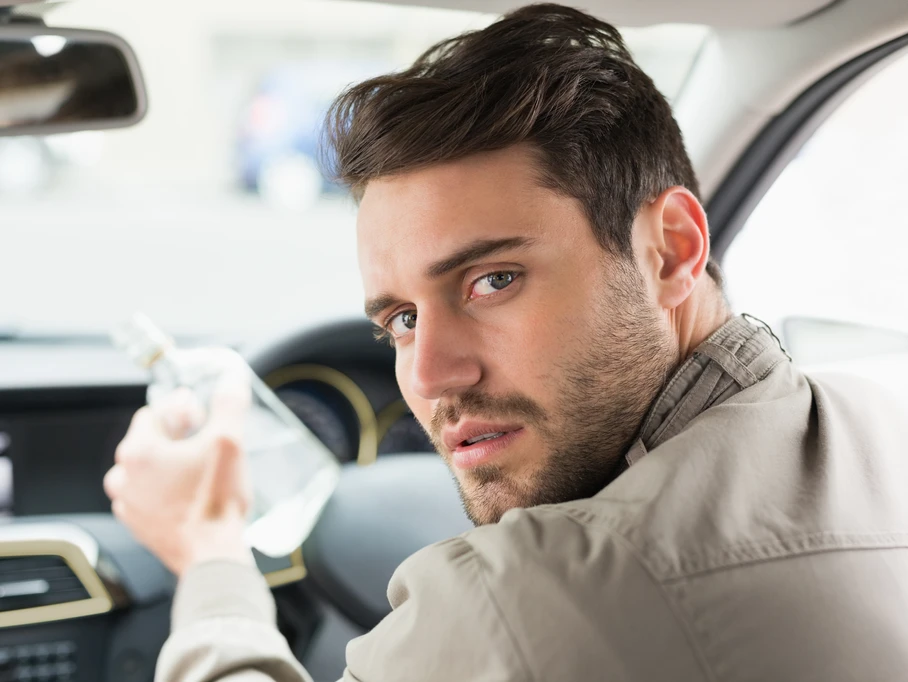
410 220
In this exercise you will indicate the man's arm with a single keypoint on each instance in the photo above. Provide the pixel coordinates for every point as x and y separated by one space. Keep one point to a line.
445 626
223 629
186 500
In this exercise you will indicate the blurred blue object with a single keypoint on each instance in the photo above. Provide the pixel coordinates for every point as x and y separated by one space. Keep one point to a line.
281 127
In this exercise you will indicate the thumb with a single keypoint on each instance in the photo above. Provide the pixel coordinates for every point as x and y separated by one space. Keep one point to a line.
223 487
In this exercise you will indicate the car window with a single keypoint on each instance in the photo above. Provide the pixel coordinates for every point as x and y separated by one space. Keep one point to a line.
822 257
211 215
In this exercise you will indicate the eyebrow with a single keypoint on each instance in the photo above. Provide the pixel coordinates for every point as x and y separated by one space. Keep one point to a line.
375 305
481 248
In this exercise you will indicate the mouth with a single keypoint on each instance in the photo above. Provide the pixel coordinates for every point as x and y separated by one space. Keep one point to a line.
475 444
479 439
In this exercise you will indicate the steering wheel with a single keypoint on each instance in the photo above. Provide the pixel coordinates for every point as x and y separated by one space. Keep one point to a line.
378 516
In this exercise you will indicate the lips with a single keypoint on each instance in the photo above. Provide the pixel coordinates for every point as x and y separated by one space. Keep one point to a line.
471 432
474 443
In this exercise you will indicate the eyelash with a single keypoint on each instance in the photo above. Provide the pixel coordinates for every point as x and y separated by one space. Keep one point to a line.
383 335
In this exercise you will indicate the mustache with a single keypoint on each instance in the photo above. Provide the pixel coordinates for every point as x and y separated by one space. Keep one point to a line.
482 405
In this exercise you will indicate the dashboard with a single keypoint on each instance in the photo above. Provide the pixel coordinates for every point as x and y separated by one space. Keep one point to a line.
58 440
79 599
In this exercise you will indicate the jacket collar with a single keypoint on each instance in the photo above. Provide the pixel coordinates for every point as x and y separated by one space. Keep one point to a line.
736 356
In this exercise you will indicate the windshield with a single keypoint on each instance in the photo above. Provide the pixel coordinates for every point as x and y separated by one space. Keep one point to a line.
211 215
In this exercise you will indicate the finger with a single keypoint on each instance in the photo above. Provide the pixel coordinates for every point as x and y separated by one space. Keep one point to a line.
230 404
180 413
145 434
114 481
144 427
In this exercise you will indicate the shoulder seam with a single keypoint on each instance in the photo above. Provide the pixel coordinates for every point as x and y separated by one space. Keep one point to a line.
476 558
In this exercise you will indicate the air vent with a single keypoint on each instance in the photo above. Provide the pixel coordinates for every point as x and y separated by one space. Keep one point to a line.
47 573
32 581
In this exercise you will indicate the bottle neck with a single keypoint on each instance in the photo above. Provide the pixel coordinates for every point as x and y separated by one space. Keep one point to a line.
164 368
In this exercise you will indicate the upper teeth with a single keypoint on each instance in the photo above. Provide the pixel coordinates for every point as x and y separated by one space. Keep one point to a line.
484 436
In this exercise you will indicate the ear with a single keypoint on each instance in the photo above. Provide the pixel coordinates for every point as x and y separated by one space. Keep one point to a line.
671 238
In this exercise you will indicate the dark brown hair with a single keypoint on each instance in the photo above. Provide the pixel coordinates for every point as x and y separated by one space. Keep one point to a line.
549 76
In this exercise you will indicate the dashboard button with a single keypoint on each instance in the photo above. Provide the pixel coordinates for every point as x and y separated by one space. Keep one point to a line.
64 650
43 673
64 669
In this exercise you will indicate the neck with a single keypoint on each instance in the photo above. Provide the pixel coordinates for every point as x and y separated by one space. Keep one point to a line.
695 320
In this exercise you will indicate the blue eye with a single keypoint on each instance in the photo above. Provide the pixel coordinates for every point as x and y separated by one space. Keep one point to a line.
495 281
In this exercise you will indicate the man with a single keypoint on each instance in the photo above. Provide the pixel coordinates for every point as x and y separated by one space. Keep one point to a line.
659 493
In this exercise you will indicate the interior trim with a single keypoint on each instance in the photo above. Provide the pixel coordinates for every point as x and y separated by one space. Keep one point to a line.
649 12
389 415
367 451
760 165
77 549
285 576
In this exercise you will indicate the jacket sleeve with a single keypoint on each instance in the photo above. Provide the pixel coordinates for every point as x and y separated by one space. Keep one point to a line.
446 625
223 630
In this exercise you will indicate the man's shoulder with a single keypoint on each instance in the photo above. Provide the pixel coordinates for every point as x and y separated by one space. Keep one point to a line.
548 580
685 541
554 540
519 535
793 464
761 475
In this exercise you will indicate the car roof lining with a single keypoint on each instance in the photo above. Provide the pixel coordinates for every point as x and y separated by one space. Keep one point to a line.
716 13
28 9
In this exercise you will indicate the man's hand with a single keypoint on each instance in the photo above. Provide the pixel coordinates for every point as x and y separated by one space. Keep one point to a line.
186 498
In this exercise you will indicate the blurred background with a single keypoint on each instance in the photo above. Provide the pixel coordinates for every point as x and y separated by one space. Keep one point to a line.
211 215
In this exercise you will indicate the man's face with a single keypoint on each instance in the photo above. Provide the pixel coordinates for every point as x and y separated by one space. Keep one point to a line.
528 353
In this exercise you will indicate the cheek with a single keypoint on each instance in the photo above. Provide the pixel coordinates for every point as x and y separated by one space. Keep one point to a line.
524 350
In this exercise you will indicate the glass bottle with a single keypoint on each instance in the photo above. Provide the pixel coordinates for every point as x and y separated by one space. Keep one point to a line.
293 474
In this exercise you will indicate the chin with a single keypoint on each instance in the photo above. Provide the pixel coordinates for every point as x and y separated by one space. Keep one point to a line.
485 503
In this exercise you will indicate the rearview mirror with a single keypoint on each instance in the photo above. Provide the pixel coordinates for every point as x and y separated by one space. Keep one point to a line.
63 80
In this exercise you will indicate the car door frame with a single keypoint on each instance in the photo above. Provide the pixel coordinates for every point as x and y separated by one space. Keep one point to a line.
764 159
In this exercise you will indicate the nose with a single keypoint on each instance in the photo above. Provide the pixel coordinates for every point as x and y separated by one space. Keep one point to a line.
445 357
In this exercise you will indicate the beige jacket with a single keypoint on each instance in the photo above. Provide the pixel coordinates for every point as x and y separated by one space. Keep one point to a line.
759 533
